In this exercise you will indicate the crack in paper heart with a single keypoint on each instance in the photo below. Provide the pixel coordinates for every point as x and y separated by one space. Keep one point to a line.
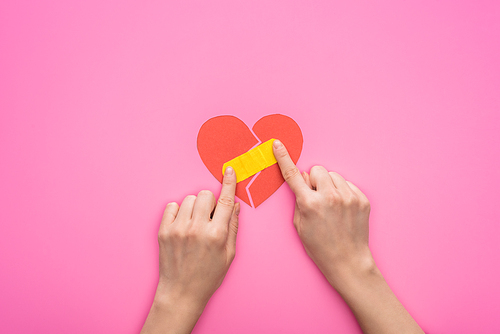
247 188
223 138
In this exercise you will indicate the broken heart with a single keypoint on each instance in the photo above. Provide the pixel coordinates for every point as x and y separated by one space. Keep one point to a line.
223 138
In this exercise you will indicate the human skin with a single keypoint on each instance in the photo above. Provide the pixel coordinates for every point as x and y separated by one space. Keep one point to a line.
331 217
195 254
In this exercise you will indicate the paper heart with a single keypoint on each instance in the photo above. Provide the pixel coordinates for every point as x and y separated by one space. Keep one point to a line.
223 138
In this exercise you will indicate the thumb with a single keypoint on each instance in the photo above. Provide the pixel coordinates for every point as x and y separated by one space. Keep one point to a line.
290 172
233 230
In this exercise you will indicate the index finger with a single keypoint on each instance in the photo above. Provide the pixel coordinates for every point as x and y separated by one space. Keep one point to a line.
290 172
225 204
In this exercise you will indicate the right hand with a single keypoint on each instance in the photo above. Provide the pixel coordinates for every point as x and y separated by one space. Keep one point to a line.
331 218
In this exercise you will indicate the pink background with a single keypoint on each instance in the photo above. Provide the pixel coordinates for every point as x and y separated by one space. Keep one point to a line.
101 102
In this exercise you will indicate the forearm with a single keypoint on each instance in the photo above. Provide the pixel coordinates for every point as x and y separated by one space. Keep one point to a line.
371 300
172 314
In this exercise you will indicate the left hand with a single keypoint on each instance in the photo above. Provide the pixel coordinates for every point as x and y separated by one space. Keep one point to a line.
195 254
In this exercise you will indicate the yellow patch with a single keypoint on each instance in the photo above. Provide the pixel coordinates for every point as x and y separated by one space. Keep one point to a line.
253 161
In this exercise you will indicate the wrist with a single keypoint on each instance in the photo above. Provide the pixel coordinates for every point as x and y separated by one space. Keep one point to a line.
172 313
173 300
177 305
352 270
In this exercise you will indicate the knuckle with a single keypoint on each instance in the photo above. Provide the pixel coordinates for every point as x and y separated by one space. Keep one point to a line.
172 205
290 173
365 205
206 193
281 153
311 203
227 180
350 200
227 201
317 168
163 235
190 234
179 235
167 235
190 198
332 198
231 253
234 226
216 236
329 198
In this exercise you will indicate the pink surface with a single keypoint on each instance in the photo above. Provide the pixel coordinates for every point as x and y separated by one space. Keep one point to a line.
101 103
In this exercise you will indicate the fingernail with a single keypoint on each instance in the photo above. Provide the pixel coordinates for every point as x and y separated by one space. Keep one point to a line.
229 170
237 208
277 144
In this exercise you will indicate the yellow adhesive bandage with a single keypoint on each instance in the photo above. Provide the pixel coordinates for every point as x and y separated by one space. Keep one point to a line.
253 161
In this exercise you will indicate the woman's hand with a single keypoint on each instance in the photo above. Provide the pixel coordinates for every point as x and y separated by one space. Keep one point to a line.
331 218
196 251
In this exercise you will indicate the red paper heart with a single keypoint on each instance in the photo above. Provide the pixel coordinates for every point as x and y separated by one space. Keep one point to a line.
223 138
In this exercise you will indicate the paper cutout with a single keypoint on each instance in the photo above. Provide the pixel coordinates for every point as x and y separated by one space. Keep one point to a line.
224 138
253 161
